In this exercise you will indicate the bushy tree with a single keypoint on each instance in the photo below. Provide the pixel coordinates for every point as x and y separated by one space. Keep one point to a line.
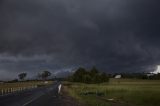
78 75
22 76
104 77
45 74
94 71
92 76
87 78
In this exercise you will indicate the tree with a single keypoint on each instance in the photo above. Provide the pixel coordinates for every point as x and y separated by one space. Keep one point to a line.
39 76
78 75
22 76
104 77
45 74
94 71
92 76
87 78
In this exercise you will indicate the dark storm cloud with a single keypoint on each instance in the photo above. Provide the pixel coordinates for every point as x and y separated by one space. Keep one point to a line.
114 35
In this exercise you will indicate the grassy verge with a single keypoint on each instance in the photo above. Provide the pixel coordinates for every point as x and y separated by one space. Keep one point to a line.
121 92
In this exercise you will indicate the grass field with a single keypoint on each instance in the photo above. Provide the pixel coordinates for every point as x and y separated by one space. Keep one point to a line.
118 92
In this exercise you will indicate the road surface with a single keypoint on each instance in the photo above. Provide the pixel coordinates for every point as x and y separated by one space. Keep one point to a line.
47 96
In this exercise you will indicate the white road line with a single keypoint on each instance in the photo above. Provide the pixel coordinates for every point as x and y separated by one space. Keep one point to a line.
27 103
30 101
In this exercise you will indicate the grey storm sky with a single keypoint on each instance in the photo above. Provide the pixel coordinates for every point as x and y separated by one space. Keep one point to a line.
60 35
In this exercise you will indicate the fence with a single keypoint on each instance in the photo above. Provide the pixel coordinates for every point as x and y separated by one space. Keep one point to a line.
6 91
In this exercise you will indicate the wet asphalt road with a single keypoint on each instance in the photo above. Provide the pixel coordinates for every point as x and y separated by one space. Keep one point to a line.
47 96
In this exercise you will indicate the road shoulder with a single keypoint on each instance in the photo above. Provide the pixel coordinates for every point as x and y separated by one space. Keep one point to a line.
67 99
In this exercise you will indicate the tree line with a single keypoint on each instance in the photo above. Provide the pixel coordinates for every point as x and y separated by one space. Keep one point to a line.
43 76
88 76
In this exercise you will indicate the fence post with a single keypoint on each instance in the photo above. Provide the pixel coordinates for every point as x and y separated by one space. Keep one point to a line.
5 91
8 90
2 91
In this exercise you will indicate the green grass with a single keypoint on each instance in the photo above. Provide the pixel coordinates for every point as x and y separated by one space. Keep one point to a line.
124 92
